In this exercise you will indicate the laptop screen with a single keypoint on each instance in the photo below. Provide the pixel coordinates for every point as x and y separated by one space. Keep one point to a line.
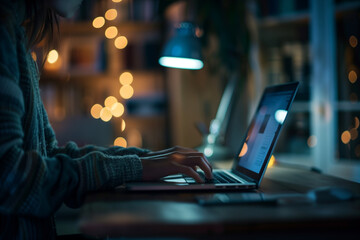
264 130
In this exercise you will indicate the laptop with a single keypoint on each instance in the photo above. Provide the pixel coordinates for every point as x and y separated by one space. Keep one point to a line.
255 149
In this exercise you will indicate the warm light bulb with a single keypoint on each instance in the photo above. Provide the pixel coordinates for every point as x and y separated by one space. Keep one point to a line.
116 1
123 125
121 42
353 41
95 111
105 114
98 22
126 91
110 101
345 137
117 109
111 32
352 76
53 56
111 14
126 78
120 141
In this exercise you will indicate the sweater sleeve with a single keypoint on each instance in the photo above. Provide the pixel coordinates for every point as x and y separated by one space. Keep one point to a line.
35 185
71 149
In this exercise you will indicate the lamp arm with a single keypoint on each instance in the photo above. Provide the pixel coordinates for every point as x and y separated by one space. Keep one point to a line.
219 125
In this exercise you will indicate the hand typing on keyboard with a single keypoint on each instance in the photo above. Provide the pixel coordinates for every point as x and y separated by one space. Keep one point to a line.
176 160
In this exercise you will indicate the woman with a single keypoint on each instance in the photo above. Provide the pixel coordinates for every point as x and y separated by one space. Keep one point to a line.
37 176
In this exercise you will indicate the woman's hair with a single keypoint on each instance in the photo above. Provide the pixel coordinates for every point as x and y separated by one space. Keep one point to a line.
41 25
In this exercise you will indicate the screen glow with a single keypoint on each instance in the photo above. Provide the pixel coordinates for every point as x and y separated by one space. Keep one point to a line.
280 116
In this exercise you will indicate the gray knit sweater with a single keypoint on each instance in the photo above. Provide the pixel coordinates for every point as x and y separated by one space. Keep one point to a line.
37 176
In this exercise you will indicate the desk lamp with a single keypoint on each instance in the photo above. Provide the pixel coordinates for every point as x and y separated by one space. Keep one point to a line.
183 50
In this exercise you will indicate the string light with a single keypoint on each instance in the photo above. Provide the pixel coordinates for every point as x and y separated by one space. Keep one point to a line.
120 141
123 125
111 14
117 109
110 101
111 32
345 137
95 111
126 91
98 22
121 42
126 78
105 114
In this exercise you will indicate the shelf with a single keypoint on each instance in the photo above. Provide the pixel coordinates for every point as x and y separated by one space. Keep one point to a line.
86 28
348 106
288 18
302 17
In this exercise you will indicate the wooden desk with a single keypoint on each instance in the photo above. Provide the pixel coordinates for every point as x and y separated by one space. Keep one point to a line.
117 214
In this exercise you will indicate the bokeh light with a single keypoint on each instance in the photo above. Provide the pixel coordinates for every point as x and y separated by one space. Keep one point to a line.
53 56
345 137
120 141
271 161
126 78
123 125
352 76
117 109
243 150
126 91
95 111
105 114
111 32
312 141
110 101
353 41
121 42
116 1
357 122
111 14
98 22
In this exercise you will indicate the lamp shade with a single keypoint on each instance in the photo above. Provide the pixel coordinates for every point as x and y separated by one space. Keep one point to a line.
183 50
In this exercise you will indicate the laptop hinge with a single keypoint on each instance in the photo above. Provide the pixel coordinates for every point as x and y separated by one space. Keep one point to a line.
247 178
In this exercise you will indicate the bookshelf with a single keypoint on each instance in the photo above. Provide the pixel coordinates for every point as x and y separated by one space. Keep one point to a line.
88 69
310 44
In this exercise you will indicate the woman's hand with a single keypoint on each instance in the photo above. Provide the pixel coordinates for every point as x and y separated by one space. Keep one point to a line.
176 160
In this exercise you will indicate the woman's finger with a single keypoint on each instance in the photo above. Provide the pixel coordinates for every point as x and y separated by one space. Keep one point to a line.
198 161
188 171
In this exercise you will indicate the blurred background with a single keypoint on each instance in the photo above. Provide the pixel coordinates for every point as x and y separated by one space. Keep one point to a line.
103 84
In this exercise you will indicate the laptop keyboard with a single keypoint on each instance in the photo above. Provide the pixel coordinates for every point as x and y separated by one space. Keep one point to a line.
218 177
